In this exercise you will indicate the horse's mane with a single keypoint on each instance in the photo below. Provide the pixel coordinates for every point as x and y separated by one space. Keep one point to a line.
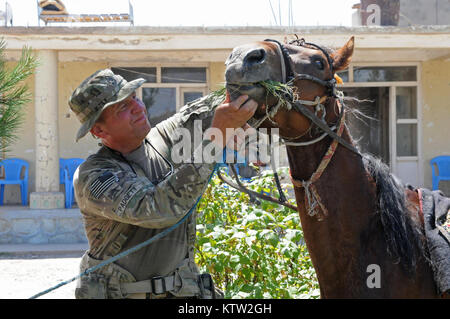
403 235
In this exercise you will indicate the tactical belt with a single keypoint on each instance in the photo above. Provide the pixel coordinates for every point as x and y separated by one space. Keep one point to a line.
156 285
161 285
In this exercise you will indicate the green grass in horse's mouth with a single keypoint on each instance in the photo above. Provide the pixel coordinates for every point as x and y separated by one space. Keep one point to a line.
282 91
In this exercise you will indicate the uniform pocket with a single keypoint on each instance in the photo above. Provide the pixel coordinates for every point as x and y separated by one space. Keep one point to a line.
91 286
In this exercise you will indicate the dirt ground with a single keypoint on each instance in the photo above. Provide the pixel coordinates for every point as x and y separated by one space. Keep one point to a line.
23 277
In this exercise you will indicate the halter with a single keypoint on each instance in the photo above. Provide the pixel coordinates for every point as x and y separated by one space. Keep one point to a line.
300 105
289 74
312 197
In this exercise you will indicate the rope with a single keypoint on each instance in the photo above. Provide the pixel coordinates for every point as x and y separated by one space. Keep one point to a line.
312 197
129 251
321 137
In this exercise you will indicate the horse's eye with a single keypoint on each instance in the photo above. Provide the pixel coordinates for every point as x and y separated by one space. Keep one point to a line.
319 64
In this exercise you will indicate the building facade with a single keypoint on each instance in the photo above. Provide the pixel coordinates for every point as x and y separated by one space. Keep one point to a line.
401 73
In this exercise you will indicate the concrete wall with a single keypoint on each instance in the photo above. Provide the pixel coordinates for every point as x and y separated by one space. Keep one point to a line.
217 75
70 76
24 226
435 113
424 12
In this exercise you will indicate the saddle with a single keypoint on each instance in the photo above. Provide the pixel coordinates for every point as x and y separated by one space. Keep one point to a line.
433 213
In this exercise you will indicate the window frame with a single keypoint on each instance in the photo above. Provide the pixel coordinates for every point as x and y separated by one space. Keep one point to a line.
179 87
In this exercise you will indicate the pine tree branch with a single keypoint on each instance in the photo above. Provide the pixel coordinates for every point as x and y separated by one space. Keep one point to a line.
14 94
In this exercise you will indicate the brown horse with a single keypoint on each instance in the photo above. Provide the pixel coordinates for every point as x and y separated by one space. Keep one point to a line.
364 236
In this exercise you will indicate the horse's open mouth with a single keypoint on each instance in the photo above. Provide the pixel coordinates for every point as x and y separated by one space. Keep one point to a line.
253 90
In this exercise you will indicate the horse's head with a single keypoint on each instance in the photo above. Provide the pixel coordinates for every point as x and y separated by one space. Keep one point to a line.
309 68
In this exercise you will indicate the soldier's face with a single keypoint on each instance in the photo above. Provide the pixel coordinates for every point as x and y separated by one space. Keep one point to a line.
126 121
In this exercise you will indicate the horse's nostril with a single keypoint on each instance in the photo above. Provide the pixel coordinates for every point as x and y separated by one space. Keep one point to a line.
255 56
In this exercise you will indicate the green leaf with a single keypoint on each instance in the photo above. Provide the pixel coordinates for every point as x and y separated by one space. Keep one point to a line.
218 267
253 251
235 258
239 235
272 238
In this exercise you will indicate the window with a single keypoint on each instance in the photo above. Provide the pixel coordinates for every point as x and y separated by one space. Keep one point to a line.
166 88
406 102
370 130
183 75
160 102
406 110
406 139
384 74
189 95
343 75
129 73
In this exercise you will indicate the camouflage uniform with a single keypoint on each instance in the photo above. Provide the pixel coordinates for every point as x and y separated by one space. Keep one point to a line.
126 199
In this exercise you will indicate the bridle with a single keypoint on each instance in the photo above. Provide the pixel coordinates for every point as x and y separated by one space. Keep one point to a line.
312 198
288 72
301 105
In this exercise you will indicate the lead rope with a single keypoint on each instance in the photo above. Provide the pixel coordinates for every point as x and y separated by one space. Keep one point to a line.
282 197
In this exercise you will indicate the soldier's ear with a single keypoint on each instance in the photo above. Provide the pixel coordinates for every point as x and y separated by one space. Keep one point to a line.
97 131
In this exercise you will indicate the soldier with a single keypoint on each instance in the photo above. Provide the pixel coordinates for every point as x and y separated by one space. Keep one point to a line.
130 190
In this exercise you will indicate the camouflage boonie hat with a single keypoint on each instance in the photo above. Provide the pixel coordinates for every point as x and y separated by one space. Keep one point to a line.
96 93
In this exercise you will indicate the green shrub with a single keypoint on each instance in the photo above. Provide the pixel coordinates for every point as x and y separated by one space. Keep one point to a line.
253 251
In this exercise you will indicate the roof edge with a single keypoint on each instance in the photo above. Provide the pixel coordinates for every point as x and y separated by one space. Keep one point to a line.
300 30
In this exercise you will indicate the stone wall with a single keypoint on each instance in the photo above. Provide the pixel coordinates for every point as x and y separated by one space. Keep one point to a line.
24 226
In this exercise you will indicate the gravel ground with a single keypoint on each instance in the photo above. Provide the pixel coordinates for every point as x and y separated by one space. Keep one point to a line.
23 277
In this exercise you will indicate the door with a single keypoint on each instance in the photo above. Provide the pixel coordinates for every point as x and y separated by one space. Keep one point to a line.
384 123
368 120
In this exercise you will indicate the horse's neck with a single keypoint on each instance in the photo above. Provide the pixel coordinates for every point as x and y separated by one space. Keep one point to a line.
350 200
344 177
350 239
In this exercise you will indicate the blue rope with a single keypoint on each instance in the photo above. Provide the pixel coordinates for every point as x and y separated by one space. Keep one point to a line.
129 251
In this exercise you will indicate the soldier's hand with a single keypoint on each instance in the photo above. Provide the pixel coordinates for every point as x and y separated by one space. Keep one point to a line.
232 114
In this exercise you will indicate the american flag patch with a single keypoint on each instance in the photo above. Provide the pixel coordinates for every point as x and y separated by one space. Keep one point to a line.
102 183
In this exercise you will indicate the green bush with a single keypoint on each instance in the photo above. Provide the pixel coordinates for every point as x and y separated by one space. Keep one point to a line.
253 251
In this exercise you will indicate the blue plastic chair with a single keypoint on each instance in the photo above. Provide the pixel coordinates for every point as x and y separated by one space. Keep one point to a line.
13 169
442 163
67 167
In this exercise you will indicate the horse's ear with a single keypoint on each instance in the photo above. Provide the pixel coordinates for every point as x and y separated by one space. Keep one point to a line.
343 56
